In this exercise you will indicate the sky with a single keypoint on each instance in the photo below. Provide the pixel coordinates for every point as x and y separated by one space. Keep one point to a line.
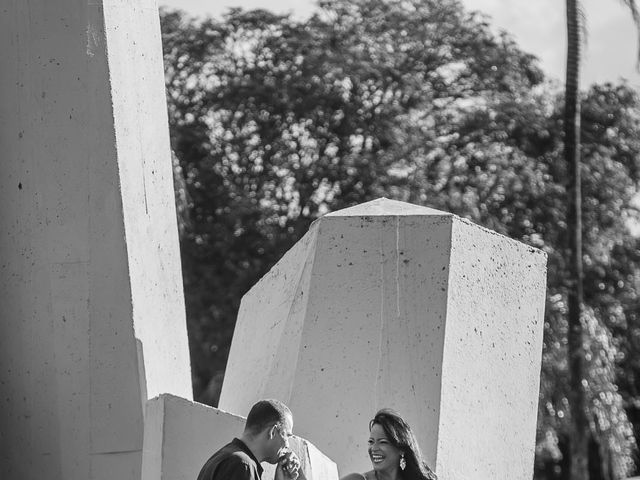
537 25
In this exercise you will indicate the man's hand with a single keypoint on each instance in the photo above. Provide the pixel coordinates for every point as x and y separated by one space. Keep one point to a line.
288 466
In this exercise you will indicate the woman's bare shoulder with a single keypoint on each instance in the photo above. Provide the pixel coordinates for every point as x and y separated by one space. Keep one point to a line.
354 476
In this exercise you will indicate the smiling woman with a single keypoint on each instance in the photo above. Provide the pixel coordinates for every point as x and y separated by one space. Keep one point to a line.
393 450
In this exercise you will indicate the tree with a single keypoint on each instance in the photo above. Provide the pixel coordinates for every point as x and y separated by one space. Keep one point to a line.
579 443
575 277
611 265
275 122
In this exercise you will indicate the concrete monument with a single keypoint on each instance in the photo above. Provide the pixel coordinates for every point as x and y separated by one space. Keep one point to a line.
92 323
389 304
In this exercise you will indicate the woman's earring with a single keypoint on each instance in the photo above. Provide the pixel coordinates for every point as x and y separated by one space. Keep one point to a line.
403 462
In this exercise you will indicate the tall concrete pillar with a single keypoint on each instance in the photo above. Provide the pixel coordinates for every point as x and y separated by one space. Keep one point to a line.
92 317
389 304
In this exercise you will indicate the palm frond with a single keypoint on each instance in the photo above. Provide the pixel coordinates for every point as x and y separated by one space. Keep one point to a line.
582 18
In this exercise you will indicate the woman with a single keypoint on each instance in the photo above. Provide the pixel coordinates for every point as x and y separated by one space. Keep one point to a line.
393 451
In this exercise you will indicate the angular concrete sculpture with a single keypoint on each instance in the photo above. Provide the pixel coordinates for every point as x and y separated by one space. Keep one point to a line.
389 304
92 317
181 435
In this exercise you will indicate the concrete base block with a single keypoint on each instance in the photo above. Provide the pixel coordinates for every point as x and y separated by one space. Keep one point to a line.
180 435
116 465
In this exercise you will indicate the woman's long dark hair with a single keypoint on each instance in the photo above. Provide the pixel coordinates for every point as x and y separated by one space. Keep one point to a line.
400 435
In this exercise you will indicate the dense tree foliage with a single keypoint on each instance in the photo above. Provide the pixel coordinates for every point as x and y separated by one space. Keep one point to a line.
275 122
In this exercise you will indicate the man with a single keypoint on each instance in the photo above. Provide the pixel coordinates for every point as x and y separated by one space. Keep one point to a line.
265 439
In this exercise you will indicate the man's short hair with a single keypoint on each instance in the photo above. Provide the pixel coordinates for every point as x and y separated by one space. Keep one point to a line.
266 413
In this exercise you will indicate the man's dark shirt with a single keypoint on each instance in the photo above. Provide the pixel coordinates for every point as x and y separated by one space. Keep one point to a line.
234 461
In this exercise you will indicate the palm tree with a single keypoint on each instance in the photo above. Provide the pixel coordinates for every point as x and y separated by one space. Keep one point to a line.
579 441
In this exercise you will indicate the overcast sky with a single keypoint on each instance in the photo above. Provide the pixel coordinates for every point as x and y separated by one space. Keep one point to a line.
537 25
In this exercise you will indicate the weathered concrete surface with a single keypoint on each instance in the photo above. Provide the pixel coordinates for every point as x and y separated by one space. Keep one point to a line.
181 435
92 319
392 305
